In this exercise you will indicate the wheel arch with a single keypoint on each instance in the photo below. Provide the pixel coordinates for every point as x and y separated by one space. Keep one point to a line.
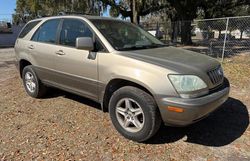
22 64
116 84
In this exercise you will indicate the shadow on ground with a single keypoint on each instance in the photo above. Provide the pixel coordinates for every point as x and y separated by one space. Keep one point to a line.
53 92
221 128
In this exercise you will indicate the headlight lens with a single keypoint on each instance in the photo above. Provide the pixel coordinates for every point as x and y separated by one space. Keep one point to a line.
185 84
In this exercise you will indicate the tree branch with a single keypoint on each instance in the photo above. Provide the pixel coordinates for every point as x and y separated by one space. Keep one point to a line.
120 8
152 9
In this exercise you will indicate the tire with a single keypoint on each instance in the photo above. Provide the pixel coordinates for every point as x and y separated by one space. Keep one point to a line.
33 86
149 119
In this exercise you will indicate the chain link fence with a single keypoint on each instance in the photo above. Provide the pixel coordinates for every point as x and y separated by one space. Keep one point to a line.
220 37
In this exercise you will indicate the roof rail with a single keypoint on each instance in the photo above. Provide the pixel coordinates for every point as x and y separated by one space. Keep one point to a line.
73 13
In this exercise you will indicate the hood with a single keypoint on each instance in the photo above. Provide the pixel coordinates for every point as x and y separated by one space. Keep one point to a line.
176 59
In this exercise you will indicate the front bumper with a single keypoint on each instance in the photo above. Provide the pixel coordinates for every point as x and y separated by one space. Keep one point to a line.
193 109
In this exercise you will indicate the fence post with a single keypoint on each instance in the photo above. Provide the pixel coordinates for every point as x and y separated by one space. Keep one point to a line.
225 40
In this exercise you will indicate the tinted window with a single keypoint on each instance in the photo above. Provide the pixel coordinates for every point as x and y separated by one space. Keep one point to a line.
28 28
47 32
73 29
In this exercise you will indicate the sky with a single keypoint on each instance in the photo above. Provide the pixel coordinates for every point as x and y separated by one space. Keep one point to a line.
106 13
6 9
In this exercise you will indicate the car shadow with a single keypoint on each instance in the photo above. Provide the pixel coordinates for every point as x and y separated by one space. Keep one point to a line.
221 128
53 93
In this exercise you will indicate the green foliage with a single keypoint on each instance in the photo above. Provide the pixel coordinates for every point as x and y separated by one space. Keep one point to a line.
30 9
224 8
142 7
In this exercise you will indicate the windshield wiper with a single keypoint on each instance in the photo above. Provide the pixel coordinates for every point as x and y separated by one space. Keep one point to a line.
157 45
137 47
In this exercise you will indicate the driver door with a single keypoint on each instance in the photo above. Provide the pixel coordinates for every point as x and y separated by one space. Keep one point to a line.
76 72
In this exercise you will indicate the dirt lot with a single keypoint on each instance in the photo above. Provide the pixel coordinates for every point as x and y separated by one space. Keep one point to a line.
64 126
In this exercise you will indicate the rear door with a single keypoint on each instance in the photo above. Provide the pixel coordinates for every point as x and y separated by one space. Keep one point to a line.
77 72
43 47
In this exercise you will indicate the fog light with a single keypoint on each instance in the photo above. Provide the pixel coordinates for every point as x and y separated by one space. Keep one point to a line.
175 109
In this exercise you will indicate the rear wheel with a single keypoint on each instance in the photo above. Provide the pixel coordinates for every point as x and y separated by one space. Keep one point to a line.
33 86
134 113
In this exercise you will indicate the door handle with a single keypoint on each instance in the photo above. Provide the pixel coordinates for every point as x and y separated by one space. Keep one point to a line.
60 52
31 47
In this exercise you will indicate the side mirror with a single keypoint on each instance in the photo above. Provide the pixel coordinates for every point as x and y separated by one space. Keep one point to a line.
85 43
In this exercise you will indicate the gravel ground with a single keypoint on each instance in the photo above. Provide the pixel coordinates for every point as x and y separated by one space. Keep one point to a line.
68 127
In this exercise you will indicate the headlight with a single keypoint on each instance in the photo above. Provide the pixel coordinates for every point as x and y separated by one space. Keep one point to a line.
188 86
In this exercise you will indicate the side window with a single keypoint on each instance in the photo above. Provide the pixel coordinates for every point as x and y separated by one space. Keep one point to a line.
28 28
47 32
72 29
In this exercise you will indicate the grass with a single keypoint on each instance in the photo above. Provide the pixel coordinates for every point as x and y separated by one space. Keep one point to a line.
237 69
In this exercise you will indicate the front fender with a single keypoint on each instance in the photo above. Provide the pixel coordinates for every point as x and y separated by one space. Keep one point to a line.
152 77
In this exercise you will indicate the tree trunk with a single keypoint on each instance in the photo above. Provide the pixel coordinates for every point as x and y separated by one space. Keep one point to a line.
174 32
219 34
134 12
241 35
138 19
186 35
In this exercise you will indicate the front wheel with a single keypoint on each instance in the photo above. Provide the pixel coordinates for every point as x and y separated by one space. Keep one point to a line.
134 113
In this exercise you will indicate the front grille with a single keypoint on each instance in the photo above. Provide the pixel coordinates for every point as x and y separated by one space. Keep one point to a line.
216 75
220 87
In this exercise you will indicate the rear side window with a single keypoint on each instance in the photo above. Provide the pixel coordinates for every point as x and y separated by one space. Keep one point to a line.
28 28
47 32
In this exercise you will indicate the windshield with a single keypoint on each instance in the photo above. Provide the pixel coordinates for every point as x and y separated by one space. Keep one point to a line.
126 36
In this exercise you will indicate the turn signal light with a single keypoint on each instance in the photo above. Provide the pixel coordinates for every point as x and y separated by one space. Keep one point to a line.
175 109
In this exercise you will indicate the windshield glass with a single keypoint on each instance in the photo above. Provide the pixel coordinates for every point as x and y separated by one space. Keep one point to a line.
126 36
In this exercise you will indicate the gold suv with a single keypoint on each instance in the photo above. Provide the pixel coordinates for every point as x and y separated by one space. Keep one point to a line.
139 80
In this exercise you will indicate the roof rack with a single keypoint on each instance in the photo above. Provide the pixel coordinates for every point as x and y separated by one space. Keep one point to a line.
73 13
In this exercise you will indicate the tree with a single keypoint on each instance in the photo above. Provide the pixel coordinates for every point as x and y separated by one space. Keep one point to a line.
185 11
181 10
30 9
221 8
134 8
